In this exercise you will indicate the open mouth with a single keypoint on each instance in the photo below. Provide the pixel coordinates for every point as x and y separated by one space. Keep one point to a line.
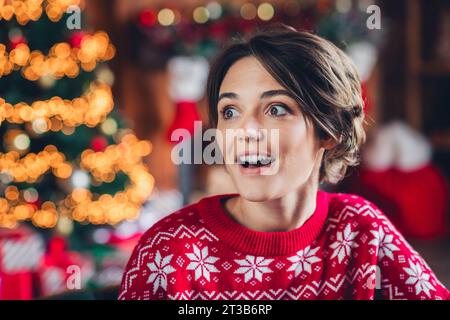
255 161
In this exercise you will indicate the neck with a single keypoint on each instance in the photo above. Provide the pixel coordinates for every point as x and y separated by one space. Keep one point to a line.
283 214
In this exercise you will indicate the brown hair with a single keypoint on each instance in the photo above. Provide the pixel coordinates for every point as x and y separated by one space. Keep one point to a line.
320 76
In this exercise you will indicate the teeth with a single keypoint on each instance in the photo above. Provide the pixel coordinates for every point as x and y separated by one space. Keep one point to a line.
255 159
264 160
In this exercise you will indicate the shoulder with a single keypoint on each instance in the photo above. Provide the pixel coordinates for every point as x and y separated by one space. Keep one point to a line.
359 230
155 255
344 206
186 224
353 210
172 227
351 216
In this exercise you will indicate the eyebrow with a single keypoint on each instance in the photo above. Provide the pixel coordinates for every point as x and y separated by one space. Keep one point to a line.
264 95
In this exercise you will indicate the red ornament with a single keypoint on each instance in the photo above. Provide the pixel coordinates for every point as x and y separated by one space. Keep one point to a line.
17 40
218 30
99 143
76 38
147 18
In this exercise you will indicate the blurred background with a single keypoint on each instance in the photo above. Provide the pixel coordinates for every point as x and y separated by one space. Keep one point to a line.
90 92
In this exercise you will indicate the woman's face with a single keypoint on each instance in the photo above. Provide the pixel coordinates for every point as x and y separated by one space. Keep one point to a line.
275 150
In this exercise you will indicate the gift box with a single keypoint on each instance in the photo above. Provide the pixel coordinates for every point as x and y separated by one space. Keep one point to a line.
62 270
21 252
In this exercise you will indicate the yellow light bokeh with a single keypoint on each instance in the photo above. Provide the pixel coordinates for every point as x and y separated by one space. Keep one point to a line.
200 15
12 193
248 11
166 17
109 127
266 11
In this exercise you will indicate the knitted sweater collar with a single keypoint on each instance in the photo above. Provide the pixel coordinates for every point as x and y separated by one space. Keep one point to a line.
259 243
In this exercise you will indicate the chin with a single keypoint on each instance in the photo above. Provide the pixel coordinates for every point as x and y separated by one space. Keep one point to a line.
257 192
256 187
255 196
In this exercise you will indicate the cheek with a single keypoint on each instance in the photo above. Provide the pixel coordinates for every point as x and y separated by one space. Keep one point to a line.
298 145
225 145
220 139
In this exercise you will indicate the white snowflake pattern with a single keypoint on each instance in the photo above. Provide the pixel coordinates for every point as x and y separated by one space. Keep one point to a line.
160 268
384 243
202 263
253 267
303 260
342 247
418 278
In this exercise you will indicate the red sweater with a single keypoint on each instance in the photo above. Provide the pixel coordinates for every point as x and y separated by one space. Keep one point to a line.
346 250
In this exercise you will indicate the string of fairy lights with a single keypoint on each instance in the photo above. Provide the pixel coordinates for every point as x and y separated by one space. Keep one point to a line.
90 110
32 10
58 114
62 59
80 204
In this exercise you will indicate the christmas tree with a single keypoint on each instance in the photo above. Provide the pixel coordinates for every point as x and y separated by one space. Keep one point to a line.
67 161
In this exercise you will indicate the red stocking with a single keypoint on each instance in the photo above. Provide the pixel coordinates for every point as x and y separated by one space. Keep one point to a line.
185 115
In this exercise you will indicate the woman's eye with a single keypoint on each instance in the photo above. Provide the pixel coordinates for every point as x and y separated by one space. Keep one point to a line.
278 110
229 113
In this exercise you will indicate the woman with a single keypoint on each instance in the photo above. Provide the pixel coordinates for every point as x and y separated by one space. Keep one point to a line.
280 237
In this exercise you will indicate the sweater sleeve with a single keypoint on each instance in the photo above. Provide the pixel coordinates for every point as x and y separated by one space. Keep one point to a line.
131 288
154 270
404 273
147 271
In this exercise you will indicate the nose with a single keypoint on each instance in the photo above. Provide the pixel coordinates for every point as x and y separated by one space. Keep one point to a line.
252 131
